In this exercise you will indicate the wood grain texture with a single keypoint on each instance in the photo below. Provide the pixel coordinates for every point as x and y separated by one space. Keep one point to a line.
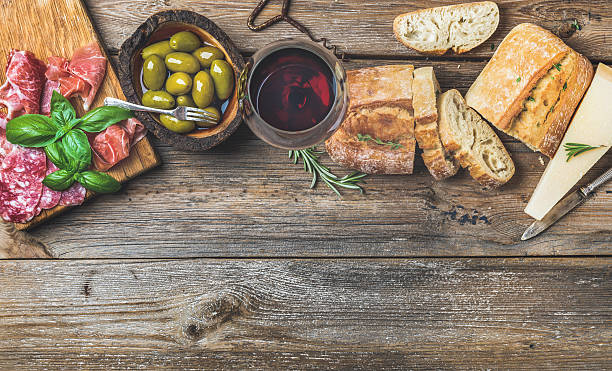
315 314
364 28
58 27
244 198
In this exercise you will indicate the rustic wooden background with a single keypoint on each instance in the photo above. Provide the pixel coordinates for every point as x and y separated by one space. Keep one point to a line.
226 259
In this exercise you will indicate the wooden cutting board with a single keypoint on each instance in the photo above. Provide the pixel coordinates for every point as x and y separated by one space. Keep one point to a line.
58 27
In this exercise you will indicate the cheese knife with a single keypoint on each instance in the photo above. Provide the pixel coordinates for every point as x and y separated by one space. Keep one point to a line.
565 206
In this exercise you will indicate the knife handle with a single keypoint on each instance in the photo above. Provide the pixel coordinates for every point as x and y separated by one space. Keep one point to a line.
589 188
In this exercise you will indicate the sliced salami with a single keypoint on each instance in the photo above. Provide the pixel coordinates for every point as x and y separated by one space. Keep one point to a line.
21 175
49 198
75 195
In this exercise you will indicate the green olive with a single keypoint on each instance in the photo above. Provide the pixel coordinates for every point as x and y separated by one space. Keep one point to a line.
176 125
223 77
154 72
185 100
161 48
158 99
203 90
206 55
214 111
178 83
182 62
185 41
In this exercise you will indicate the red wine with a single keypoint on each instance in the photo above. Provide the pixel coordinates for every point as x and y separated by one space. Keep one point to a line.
292 89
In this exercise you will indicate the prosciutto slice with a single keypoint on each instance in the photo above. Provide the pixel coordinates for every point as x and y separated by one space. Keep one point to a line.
113 144
82 75
25 78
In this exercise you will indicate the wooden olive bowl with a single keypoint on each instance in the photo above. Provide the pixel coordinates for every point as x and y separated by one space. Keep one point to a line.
161 26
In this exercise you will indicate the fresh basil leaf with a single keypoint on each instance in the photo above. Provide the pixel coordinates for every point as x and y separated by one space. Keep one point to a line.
97 181
76 146
100 118
62 111
55 152
59 180
78 166
31 131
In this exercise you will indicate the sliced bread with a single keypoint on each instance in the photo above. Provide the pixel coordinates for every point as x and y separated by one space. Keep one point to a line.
425 90
389 85
472 142
461 27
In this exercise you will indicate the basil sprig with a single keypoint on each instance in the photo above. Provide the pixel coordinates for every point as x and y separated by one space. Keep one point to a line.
63 137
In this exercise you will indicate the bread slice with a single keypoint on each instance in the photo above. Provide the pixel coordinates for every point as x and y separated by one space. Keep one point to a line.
384 124
473 143
389 85
461 27
425 90
532 100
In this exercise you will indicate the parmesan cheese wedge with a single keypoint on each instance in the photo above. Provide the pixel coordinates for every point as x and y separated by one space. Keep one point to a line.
591 125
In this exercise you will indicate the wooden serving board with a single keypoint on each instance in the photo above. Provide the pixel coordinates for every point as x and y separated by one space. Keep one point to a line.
58 27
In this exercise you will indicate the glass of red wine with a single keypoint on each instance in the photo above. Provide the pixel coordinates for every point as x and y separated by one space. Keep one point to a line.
295 94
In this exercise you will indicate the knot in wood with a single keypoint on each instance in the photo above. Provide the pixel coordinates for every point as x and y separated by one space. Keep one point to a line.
208 313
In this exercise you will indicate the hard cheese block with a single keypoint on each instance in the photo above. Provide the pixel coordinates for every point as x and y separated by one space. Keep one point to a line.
591 125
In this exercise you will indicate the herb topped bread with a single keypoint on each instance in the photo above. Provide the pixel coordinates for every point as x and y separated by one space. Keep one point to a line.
461 27
531 87
377 136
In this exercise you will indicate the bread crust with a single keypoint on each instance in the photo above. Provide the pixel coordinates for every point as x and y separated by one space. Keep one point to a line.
389 85
560 117
422 12
523 57
386 123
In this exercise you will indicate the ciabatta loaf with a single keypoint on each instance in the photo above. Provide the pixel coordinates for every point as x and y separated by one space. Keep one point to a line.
377 136
473 143
461 27
377 140
425 90
531 87
389 85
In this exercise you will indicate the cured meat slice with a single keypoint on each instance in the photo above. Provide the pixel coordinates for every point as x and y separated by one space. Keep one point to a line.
89 64
49 198
21 175
75 195
82 75
5 146
3 120
113 144
25 77
58 75
45 99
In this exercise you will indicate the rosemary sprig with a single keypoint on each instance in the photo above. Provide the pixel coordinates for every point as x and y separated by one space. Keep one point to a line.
366 137
576 25
574 149
310 158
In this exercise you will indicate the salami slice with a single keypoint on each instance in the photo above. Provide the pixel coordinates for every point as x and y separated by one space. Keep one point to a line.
75 195
49 198
21 175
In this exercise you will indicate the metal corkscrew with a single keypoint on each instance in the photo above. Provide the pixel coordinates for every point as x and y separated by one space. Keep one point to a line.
284 16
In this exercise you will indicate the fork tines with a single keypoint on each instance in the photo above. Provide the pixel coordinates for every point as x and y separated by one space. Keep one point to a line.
196 114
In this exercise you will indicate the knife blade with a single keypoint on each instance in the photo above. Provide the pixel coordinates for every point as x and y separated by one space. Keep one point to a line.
564 206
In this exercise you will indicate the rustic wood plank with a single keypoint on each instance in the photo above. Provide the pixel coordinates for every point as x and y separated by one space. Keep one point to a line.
364 28
365 314
243 198
29 25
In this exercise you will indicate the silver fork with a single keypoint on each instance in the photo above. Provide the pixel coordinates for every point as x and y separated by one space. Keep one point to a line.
180 112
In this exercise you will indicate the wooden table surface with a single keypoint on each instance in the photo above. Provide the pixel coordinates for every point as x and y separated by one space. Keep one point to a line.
225 259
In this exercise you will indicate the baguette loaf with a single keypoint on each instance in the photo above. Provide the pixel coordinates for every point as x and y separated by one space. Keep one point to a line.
381 110
531 87
461 27
473 143
425 89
